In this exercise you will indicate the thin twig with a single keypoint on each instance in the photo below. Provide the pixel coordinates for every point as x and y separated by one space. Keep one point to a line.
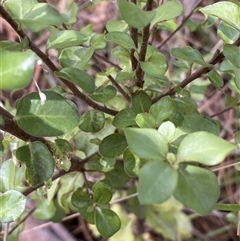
224 110
180 26
143 50
52 66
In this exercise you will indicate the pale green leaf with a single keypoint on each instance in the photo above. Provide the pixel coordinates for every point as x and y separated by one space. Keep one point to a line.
216 79
232 53
12 206
197 188
145 120
227 33
205 148
157 181
147 143
104 93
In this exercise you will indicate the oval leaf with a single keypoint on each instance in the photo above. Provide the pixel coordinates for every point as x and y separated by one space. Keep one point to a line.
124 118
113 145
104 93
107 222
205 148
79 77
147 143
9 211
232 53
56 116
197 188
39 162
92 121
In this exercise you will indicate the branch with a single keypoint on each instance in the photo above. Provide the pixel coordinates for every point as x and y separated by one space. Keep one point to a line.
217 57
52 66
143 50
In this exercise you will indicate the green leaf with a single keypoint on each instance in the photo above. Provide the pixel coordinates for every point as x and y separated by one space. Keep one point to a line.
12 206
147 143
227 207
227 33
92 121
18 9
16 69
113 145
123 76
122 39
117 177
197 122
53 117
79 77
155 66
40 16
205 148
163 13
231 52
133 15
157 181
104 93
107 222
185 106
146 120
197 188
102 195
39 162
216 79
124 118
80 198
66 38
141 101
131 163
167 129
77 57
227 11
189 54
162 109
116 25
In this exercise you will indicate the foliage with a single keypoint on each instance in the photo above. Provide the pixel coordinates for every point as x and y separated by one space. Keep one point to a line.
142 131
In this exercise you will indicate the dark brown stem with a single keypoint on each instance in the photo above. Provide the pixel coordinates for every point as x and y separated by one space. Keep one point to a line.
226 109
143 50
52 67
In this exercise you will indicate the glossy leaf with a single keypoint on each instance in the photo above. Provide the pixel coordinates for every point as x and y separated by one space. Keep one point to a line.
122 39
162 109
189 54
104 93
231 52
79 77
40 16
107 222
116 25
155 66
56 116
77 57
147 143
102 195
163 13
141 101
124 118
131 163
66 38
18 9
216 79
38 160
146 120
80 198
113 145
92 121
133 15
167 129
197 188
157 181
9 211
227 11
227 33
205 148
16 69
